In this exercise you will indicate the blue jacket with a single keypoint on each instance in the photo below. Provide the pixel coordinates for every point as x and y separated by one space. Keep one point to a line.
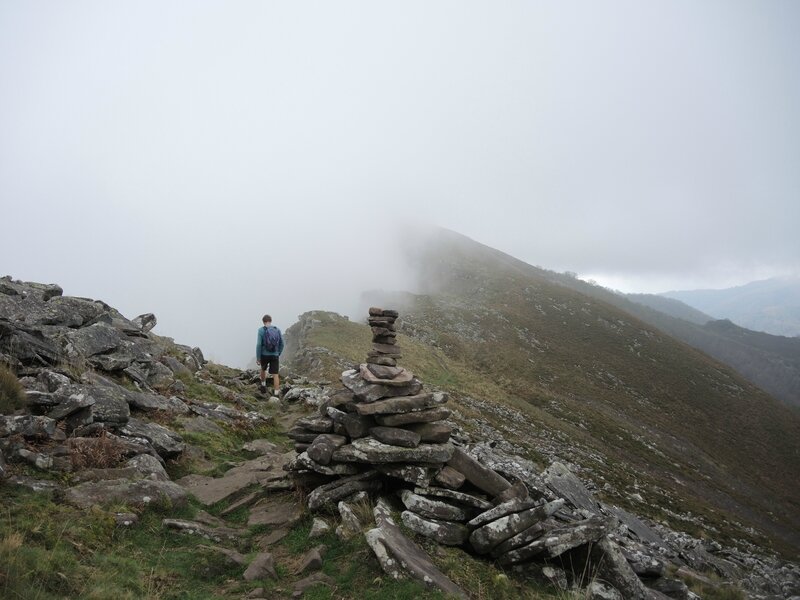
260 343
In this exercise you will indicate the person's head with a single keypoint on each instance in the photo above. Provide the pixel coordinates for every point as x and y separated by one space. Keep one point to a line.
266 320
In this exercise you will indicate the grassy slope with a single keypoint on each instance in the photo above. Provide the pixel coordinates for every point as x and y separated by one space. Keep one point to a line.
656 412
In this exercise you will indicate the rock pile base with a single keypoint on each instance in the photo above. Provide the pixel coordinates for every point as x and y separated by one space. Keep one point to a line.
383 435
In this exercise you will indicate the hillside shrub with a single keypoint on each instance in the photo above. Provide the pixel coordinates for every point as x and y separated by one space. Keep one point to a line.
101 452
12 394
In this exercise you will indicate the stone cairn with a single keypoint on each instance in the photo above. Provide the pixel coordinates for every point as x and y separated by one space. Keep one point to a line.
383 435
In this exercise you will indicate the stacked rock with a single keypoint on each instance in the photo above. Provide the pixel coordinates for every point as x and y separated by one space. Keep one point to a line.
380 423
383 432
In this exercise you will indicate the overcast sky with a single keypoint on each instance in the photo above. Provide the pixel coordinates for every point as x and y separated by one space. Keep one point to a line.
212 161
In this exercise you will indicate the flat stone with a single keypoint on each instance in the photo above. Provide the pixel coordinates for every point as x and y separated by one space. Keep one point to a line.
318 424
141 493
302 435
302 586
148 466
414 474
435 433
379 331
304 461
321 449
449 478
402 378
477 474
395 437
485 538
523 538
565 484
260 447
442 532
392 350
434 509
461 497
381 360
262 470
383 372
262 567
200 425
421 416
273 537
370 392
28 426
371 451
152 402
399 556
282 512
166 442
613 568
639 528
246 500
558 541
404 404
215 534
72 404
501 510
328 496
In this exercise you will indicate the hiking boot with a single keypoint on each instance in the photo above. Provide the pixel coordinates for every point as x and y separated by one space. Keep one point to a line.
262 389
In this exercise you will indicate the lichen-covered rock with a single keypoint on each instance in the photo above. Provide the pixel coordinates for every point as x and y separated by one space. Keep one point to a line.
443 532
477 474
141 493
304 461
460 497
558 541
486 537
434 509
566 485
371 451
28 426
502 510
328 496
165 441
370 392
413 474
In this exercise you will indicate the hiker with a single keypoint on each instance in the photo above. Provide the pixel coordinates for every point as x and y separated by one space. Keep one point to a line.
268 349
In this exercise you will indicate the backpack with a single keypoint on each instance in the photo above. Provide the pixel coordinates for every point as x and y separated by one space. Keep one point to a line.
271 340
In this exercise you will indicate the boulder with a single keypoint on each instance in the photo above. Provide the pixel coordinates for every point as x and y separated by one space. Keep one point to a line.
28 426
98 338
141 493
261 567
319 527
442 532
165 441
434 509
148 466
478 475
613 568
72 404
404 404
395 437
145 322
302 586
421 416
371 451
29 345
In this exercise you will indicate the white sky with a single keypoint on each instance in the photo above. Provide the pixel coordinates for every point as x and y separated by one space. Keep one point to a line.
212 161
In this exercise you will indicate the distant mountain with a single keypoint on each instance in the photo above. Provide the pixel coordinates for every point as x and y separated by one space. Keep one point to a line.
632 399
770 305
671 307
